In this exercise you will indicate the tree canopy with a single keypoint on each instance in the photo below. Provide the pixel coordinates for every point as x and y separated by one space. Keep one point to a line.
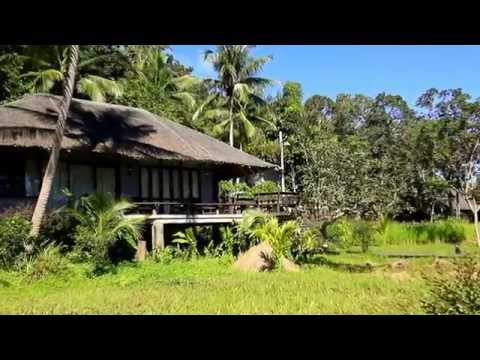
367 156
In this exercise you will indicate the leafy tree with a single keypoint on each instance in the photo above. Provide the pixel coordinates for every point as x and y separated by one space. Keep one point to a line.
12 85
238 82
158 83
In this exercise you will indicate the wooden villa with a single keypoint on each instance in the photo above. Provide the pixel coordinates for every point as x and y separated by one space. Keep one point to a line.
170 170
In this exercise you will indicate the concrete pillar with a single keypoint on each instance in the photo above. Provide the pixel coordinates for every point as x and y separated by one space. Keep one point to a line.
158 235
141 250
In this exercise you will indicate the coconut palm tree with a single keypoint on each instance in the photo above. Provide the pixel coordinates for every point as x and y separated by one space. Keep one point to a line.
153 65
52 165
48 64
237 82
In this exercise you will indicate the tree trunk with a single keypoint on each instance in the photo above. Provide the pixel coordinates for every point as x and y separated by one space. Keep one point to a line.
457 205
432 212
231 123
52 165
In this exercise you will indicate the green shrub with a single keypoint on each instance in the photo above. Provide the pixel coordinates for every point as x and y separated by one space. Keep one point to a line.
101 226
265 187
49 261
15 244
165 255
59 226
186 243
457 295
305 244
244 237
229 188
279 236
341 233
363 234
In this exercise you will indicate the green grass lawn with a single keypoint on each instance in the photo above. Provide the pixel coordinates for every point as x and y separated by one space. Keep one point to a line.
212 286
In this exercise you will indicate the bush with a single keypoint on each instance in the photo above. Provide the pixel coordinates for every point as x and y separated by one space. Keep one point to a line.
230 188
59 225
101 226
363 234
186 244
265 187
341 233
305 244
49 261
244 236
164 256
457 295
15 244
25 210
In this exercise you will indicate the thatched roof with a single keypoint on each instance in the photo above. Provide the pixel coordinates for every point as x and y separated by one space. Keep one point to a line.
107 128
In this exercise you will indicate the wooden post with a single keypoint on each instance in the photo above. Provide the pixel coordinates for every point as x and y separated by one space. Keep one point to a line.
278 202
282 162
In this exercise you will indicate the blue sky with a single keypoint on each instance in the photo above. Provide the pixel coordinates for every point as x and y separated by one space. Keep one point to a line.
330 70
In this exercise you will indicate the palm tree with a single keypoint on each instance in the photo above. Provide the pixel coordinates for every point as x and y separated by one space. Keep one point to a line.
151 64
237 82
52 165
48 64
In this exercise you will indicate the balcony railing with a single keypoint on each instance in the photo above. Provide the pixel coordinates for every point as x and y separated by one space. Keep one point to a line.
275 203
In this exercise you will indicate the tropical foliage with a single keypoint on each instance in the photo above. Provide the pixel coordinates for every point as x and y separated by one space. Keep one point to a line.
372 157
102 225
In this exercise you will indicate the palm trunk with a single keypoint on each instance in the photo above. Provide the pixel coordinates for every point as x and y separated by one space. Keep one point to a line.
52 165
475 221
231 122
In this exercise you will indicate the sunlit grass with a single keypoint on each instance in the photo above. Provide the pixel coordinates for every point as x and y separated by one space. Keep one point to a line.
212 286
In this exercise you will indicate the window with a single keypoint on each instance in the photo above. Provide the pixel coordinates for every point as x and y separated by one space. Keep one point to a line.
81 180
186 184
176 184
32 178
106 180
195 193
145 193
166 184
12 177
155 184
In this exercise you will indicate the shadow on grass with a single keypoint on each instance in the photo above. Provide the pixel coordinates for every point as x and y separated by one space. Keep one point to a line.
341 266
4 283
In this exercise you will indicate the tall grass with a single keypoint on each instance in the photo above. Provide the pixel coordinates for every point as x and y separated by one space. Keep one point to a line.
445 231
